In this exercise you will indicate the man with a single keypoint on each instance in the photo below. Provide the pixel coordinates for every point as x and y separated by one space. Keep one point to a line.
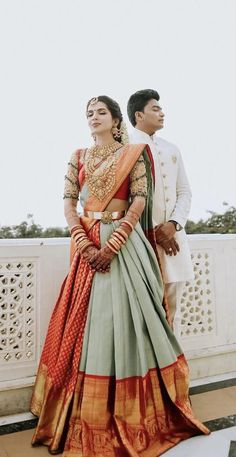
171 199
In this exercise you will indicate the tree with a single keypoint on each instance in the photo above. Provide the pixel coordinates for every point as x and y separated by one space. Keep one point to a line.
28 229
216 223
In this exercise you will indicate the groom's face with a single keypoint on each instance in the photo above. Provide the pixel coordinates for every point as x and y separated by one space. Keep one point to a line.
153 116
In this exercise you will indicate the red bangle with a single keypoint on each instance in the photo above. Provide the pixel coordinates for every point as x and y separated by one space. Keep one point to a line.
111 248
123 233
128 223
76 227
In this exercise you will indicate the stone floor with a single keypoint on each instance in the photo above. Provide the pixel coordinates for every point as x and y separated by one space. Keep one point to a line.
217 408
215 445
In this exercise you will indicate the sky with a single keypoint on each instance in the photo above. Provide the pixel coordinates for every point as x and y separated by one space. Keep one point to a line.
57 54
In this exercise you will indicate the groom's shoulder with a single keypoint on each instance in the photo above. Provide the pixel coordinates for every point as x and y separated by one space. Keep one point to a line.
167 145
163 142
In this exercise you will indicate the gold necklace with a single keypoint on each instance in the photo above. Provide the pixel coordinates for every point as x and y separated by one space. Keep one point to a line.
100 168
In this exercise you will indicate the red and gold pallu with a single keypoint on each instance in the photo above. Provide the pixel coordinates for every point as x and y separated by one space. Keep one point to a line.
112 379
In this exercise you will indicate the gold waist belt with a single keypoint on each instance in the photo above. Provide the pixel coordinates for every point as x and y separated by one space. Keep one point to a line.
104 216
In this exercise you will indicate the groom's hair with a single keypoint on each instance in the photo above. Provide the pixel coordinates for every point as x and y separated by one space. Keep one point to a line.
138 101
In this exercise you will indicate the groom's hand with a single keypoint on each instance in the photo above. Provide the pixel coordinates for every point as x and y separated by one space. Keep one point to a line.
165 238
164 232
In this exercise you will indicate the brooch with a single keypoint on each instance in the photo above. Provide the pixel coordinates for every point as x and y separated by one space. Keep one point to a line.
106 217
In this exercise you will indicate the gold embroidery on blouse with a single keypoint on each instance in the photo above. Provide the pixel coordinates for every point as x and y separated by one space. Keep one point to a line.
71 189
100 169
138 179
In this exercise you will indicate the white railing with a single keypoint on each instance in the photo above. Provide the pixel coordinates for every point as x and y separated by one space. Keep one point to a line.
31 272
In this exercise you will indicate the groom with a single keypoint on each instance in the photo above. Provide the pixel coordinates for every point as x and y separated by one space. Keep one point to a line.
171 199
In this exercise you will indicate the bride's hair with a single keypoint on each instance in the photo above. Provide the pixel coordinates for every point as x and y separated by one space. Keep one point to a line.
114 109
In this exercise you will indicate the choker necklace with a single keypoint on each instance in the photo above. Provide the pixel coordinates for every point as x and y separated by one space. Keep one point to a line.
100 168
103 150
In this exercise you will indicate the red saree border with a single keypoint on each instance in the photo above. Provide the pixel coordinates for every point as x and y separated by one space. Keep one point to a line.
147 414
118 380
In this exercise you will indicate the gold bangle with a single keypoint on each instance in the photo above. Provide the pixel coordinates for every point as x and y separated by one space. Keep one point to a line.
83 241
121 237
79 226
82 244
123 233
114 243
86 246
80 238
118 237
78 231
127 223
111 248
78 235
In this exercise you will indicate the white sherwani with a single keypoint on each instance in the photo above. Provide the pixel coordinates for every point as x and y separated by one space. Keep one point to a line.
171 200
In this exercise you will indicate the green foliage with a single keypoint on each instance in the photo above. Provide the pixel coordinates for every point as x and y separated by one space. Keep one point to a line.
216 223
28 229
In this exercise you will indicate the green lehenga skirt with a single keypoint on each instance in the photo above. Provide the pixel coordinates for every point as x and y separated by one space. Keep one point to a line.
130 390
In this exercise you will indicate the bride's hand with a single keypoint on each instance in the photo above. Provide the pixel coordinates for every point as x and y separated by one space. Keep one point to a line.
90 253
101 261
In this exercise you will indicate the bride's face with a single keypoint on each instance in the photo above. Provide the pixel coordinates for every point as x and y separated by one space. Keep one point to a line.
99 118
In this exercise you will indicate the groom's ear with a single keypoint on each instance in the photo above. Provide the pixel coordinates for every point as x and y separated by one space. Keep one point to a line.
138 116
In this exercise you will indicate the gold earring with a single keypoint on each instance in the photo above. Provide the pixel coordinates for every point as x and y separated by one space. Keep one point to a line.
116 132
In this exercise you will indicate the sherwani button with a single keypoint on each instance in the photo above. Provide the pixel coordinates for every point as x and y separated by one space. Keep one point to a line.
167 200
162 163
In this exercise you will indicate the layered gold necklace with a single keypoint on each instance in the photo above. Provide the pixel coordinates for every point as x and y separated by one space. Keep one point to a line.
100 168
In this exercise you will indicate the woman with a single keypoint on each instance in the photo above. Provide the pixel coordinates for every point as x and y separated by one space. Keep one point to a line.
112 379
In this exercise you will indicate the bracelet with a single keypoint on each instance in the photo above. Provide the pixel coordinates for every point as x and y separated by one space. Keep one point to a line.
128 223
82 245
78 230
82 242
78 226
86 246
111 248
118 237
79 240
79 235
123 233
115 243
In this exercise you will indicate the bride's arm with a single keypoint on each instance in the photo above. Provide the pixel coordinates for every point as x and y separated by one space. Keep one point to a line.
71 195
71 191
